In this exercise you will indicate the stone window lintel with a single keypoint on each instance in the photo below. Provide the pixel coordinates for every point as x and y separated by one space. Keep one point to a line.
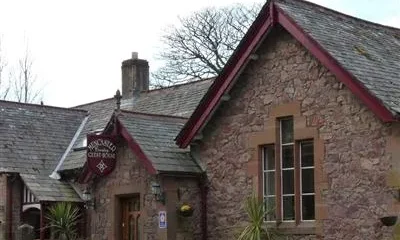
301 132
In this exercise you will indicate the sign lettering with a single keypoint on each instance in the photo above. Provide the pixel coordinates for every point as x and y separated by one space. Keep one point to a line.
101 154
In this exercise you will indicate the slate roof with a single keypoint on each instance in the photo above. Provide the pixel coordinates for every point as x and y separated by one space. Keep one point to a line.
369 51
33 139
48 189
178 100
155 136
364 55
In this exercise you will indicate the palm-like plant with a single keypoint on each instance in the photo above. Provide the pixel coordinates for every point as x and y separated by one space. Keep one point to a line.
63 219
256 229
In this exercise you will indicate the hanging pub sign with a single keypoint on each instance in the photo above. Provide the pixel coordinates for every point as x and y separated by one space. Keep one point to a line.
101 154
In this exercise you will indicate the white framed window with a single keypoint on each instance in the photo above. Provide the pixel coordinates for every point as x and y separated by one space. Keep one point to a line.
287 169
307 199
288 177
269 175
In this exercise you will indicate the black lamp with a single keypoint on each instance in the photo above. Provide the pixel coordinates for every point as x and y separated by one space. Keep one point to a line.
157 192
87 198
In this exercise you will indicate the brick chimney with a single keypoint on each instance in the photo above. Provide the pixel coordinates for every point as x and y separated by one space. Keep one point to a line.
135 76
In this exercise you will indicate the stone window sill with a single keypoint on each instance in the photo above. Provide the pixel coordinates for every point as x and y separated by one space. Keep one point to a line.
304 228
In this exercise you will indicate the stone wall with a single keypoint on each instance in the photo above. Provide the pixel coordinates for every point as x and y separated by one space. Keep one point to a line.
189 228
16 207
3 204
130 177
355 160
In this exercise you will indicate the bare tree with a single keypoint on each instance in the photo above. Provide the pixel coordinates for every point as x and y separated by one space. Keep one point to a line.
4 86
202 43
18 83
24 80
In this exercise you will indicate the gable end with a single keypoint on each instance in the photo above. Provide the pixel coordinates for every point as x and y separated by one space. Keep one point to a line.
268 17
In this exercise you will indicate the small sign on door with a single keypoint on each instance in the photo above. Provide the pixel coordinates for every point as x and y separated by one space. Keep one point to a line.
162 219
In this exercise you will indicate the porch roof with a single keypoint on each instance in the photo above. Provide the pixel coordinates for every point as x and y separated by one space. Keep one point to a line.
178 100
154 135
47 189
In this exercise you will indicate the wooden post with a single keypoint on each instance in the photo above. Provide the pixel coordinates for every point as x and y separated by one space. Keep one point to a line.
9 207
42 221
83 220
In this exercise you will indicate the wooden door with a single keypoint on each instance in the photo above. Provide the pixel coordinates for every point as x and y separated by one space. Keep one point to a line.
130 214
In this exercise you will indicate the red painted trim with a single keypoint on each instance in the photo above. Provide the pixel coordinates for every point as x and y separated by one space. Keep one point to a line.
231 73
329 62
85 175
134 146
272 14
260 27
88 176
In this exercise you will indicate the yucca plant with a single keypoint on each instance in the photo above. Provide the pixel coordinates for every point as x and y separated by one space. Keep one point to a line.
256 228
63 218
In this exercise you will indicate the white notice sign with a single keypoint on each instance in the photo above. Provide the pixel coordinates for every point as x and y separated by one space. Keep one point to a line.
162 219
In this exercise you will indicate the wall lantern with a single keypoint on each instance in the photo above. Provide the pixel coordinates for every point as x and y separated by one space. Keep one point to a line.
88 199
157 192
389 220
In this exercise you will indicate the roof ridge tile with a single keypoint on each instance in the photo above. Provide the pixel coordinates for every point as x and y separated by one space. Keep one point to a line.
357 19
34 105
153 115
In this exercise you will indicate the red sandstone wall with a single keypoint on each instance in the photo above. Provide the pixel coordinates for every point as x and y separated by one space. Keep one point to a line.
130 177
355 160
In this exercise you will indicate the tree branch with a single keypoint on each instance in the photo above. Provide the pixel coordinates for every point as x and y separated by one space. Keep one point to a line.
202 43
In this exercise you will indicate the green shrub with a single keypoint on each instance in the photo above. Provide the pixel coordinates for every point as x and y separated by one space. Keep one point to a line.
63 219
256 228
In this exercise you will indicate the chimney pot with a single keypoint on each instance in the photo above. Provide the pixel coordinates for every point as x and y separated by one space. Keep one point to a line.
135 76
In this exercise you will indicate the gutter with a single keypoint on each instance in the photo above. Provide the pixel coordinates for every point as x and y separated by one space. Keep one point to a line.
54 174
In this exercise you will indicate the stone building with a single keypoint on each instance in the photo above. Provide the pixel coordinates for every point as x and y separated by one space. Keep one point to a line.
305 115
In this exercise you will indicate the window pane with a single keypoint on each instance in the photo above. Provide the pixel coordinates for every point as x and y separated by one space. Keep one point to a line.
269 184
134 204
287 130
270 208
131 228
288 207
307 180
307 154
287 156
288 181
269 157
308 207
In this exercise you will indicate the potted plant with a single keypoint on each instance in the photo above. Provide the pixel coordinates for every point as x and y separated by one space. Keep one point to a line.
256 229
185 210
63 220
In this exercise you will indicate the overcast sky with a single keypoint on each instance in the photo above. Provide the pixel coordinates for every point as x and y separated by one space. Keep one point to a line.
78 45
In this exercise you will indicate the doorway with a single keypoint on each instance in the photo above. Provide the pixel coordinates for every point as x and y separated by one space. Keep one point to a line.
31 216
130 214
